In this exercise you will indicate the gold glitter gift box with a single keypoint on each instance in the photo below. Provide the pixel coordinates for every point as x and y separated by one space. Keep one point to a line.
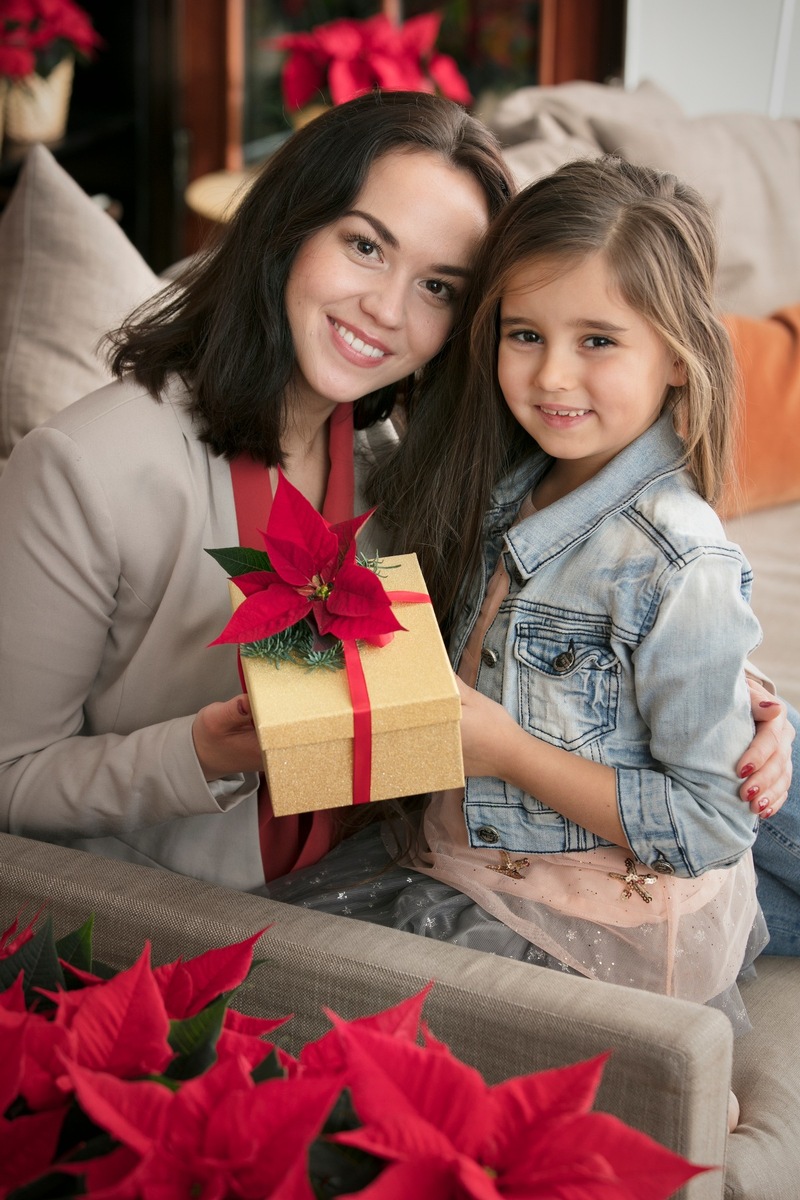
304 718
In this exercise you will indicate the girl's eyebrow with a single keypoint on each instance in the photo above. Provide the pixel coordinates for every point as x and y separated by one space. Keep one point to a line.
583 323
388 237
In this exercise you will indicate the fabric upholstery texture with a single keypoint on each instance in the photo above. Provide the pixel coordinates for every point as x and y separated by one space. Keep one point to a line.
748 168
68 274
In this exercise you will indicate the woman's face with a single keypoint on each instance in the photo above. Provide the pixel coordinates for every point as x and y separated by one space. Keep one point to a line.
370 298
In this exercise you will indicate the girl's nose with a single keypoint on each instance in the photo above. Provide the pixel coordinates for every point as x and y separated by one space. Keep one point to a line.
554 371
385 301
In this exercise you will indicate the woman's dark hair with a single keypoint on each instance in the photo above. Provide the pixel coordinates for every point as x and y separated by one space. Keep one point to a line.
657 235
222 326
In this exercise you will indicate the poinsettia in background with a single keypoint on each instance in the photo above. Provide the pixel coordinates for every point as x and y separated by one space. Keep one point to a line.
336 61
147 1082
36 35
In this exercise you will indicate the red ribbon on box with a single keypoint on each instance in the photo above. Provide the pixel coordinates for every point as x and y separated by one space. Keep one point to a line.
362 709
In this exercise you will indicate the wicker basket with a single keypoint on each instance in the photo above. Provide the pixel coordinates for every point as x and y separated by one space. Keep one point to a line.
36 109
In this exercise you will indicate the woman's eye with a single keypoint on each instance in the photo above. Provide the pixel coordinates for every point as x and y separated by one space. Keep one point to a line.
364 247
439 289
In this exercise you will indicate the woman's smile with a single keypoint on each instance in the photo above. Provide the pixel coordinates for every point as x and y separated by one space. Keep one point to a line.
358 345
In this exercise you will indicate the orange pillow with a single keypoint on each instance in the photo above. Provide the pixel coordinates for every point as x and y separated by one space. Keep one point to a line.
768 460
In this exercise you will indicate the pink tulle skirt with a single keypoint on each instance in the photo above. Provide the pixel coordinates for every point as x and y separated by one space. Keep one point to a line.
589 911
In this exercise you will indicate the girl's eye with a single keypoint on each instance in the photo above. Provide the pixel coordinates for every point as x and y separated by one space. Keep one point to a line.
598 342
440 290
526 337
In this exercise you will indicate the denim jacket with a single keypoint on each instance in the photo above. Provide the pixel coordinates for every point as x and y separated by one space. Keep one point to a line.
623 638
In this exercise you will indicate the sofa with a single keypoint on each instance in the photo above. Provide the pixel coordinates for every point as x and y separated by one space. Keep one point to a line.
68 272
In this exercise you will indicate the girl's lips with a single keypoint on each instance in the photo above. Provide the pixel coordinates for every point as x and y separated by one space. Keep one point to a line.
562 418
356 346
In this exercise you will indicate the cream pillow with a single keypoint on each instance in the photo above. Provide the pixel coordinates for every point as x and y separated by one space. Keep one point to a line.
68 275
520 116
748 168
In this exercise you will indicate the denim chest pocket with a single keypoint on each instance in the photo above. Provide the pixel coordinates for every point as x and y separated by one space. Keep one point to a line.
568 680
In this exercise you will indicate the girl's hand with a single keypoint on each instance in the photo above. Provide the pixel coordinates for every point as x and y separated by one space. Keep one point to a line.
225 740
485 726
766 766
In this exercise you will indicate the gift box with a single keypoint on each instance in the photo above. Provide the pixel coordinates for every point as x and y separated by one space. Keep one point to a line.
304 718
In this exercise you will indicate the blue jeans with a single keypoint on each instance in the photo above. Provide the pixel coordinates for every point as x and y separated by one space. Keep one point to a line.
777 858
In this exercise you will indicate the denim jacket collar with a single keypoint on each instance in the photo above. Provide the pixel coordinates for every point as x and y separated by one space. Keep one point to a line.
656 453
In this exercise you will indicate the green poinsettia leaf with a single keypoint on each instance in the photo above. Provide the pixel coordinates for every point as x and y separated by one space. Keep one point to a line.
239 560
38 959
270 1068
333 1168
194 1040
343 1116
56 1185
76 948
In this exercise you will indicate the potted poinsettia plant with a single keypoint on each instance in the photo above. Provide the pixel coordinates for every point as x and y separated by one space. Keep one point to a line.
341 59
39 43
148 1081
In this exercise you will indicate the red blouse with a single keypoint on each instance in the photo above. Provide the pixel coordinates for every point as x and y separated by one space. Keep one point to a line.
288 843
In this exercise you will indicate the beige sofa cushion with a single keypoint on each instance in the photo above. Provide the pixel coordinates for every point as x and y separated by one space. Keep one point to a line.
748 168
770 540
553 147
68 275
522 115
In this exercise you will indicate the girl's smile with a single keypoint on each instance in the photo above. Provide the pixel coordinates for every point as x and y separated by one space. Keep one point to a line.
371 298
580 369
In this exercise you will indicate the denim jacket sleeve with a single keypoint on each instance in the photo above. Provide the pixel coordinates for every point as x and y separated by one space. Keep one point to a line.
692 693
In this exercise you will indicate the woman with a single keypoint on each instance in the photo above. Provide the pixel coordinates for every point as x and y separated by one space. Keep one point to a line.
120 732
338 280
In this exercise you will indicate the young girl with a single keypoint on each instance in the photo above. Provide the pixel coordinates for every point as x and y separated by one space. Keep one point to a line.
597 615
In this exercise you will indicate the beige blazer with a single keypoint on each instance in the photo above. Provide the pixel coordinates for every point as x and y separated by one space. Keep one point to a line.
107 605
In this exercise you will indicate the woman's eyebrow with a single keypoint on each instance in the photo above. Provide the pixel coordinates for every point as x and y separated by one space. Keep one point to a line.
383 233
388 237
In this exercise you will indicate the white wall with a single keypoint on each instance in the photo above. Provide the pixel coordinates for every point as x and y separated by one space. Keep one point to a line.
717 55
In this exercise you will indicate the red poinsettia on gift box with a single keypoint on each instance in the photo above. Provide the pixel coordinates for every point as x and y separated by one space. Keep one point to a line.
342 59
35 35
146 1082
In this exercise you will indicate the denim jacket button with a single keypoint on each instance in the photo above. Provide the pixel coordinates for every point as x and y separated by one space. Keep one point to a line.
663 867
487 834
488 657
564 660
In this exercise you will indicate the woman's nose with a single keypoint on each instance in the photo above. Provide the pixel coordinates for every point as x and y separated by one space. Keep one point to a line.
385 301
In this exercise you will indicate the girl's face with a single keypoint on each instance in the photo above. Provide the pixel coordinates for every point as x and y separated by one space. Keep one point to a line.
370 298
581 370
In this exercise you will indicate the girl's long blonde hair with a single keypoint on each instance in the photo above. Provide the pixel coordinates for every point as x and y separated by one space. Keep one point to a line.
658 236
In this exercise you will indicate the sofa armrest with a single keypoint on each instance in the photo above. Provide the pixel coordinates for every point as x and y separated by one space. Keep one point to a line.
671 1064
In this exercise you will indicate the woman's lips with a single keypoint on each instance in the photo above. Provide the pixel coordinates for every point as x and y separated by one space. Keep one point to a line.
356 346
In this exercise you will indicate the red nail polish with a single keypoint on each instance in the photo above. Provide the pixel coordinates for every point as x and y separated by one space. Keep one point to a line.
762 804
746 770
767 813
768 704
753 791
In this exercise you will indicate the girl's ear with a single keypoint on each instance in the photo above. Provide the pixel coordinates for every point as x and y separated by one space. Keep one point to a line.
677 376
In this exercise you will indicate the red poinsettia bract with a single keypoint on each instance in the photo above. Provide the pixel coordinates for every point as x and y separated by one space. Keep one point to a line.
244 1120
31 28
350 57
449 1136
314 571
